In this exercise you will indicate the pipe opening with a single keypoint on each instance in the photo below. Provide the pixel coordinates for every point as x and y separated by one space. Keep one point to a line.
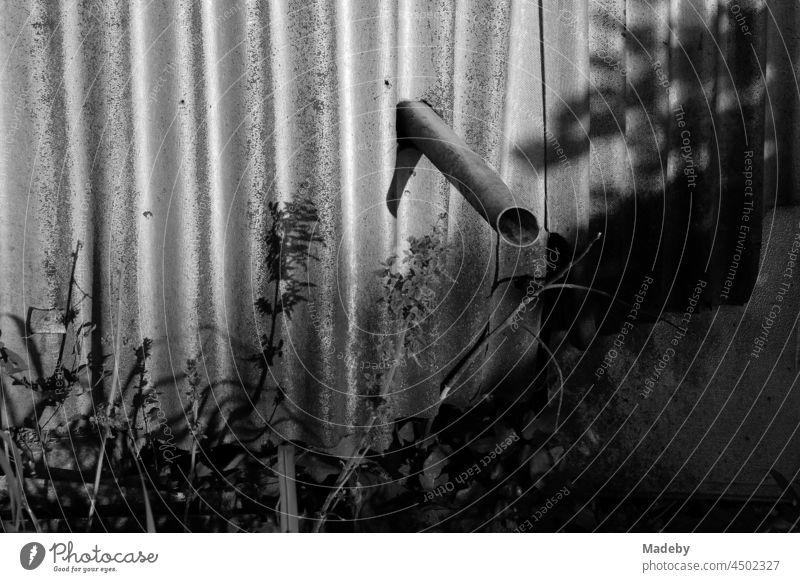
518 226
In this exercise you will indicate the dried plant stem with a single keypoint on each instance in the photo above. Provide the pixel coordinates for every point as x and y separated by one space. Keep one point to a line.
348 470
68 305
148 510
112 397
287 485
192 464
16 483
14 490
4 420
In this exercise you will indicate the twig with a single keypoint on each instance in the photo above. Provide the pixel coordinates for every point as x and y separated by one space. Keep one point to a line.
4 420
344 476
275 313
16 482
287 485
56 411
193 455
561 273
109 405
496 278
68 306
192 471
67 309
14 490
148 510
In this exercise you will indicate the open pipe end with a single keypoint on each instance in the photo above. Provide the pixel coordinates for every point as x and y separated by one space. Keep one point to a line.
518 226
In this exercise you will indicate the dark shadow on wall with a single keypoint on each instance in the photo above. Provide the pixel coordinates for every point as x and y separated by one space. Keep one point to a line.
685 204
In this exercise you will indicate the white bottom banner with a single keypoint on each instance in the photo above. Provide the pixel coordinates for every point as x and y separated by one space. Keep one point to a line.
400 557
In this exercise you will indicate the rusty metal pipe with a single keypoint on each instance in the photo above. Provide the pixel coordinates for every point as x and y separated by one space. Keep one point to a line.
483 188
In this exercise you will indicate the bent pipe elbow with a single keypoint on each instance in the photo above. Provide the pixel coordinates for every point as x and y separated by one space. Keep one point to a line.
483 188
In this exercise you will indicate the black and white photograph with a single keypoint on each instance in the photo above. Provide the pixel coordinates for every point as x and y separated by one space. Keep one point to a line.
399 266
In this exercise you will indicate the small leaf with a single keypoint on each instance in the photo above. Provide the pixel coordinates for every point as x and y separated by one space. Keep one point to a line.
442 479
592 436
432 468
539 464
483 445
556 453
316 468
228 500
544 422
405 434
234 463
12 362
201 471
469 493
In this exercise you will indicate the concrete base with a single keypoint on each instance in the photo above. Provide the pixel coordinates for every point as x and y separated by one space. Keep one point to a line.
709 411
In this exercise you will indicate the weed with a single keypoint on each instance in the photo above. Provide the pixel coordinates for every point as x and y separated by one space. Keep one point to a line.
194 395
411 284
11 466
289 241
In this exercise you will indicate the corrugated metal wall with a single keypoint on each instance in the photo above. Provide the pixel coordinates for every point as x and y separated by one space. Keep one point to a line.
156 134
